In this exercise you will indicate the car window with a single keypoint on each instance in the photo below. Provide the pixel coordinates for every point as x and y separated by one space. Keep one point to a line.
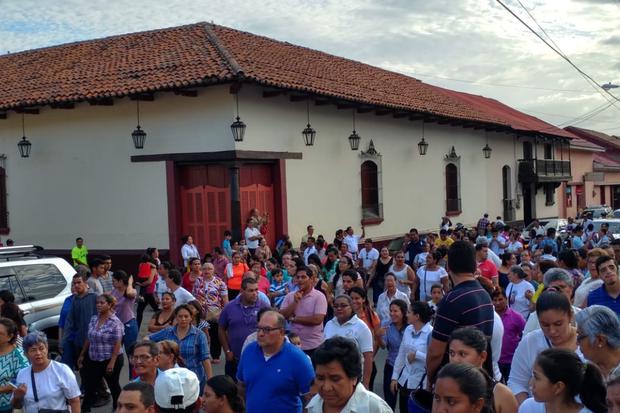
40 281
8 281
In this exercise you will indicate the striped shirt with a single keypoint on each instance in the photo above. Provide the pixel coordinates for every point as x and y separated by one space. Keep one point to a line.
467 305
103 338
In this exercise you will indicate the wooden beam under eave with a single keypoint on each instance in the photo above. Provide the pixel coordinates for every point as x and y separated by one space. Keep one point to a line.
364 109
298 98
322 102
416 117
63 105
187 93
28 111
400 115
382 112
101 102
145 97
272 93
345 105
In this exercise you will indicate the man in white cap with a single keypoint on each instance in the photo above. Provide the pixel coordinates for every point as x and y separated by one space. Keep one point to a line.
177 390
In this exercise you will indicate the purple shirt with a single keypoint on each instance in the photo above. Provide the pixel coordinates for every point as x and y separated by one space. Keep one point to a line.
514 323
310 304
103 339
220 266
239 321
123 307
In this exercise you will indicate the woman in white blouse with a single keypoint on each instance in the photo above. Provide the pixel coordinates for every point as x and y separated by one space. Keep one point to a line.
555 314
189 249
410 363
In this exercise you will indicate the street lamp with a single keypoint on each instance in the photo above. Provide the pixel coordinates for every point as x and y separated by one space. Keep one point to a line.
138 135
238 127
308 133
354 138
487 151
24 145
422 145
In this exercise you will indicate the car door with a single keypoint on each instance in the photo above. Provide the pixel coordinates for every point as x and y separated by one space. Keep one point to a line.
41 285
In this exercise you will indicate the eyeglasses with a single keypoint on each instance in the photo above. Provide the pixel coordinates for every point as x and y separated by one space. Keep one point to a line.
142 358
341 305
267 330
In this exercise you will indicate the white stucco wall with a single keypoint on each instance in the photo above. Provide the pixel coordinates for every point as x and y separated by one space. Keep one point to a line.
324 187
79 179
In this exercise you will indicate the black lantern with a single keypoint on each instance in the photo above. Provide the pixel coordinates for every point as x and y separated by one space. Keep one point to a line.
422 146
238 127
308 133
24 145
354 138
138 135
487 151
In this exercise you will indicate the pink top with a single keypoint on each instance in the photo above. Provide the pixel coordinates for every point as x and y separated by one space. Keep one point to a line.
312 303
514 323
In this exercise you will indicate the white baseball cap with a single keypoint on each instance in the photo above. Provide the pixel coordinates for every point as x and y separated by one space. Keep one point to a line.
176 388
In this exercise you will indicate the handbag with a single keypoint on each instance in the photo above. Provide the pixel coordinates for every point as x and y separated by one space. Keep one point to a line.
421 400
36 397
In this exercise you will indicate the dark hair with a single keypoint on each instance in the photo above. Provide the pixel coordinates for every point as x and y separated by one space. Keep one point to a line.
121 276
175 276
167 265
472 381
105 257
109 298
147 392
150 345
182 307
367 308
546 265
11 328
171 295
246 281
436 255
603 259
81 275
351 273
422 310
402 305
7 296
436 286
462 258
499 291
579 378
192 259
79 239
227 233
474 338
172 347
95 262
547 249
553 300
518 271
224 386
342 350
184 239
314 259
569 259
506 257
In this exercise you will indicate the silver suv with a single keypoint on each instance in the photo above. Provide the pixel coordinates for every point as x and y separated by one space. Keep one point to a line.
40 285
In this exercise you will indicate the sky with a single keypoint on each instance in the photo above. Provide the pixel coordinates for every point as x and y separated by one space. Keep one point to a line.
473 46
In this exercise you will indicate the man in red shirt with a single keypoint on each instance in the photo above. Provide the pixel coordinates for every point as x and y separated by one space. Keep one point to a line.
486 268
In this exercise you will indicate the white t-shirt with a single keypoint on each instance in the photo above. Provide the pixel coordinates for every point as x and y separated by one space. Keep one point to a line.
514 246
361 400
251 232
496 345
183 296
368 258
420 259
308 252
523 360
517 299
352 241
532 406
55 385
427 279
355 329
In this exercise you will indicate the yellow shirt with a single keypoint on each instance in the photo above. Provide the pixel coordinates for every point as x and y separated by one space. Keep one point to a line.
79 254
444 243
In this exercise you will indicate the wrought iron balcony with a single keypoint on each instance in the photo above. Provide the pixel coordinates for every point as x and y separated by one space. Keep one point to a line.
543 170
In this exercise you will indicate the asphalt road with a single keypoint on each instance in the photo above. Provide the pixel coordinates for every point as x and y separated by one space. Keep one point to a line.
219 368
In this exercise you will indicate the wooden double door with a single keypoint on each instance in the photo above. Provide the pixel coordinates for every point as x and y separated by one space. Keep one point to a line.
207 194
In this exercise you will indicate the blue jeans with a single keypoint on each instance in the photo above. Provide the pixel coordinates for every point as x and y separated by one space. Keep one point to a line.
70 352
129 340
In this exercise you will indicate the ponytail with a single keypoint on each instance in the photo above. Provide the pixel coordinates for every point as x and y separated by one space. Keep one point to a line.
592 391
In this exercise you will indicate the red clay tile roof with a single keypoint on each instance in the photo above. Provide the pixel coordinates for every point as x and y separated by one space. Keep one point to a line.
598 138
202 54
605 160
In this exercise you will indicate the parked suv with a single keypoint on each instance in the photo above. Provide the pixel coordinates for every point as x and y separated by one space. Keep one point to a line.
40 285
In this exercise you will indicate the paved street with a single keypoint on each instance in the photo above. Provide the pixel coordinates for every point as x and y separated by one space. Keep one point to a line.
219 368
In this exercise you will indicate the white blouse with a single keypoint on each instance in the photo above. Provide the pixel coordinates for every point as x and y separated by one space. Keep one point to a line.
408 374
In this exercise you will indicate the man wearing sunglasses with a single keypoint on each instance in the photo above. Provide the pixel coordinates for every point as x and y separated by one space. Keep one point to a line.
274 373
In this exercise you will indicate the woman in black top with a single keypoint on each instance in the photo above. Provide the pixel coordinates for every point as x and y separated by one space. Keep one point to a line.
377 279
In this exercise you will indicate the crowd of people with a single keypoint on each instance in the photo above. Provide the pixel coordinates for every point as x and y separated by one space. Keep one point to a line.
480 319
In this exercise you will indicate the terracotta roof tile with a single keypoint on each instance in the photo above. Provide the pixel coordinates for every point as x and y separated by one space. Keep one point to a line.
201 53
598 138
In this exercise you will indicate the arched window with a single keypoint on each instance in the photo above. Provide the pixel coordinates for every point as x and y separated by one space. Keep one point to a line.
453 201
370 190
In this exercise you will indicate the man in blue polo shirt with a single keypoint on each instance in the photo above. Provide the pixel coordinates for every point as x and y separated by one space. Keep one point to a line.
607 294
274 373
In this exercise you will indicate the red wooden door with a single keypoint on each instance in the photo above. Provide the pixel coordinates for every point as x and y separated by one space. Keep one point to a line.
256 187
205 205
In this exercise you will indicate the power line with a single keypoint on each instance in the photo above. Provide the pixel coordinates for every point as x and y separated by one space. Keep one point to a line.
593 83
475 82
527 110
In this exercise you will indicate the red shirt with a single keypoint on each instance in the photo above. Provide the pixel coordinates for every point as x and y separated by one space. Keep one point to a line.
487 269
187 282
